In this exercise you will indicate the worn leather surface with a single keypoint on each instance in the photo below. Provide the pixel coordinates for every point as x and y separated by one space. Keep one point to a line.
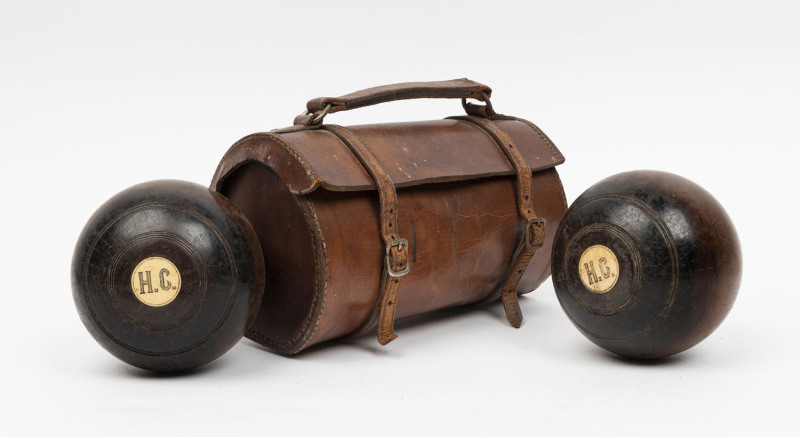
525 250
412 153
457 206
430 160
471 230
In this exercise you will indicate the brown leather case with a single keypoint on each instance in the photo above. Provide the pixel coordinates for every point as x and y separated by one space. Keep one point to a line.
365 224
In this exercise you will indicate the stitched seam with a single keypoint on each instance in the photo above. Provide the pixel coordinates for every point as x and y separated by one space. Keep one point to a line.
291 345
317 267
554 152
285 144
254 156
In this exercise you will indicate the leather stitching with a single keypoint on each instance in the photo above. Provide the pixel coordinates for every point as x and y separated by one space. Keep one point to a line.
553 150
289 346
317 308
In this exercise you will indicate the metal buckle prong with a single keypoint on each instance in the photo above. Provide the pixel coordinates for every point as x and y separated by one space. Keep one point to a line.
401 244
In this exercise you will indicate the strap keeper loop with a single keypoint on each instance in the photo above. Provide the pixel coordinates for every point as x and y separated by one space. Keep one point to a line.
535 233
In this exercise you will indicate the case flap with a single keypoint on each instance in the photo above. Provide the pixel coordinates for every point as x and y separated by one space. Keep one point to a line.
412 153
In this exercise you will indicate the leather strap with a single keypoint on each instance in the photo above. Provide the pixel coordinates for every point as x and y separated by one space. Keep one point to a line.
533 235
463 89
397 262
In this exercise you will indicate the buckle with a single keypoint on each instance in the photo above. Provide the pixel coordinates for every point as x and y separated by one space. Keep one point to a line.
534 233
401 244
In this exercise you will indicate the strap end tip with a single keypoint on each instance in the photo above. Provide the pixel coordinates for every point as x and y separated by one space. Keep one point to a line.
386 339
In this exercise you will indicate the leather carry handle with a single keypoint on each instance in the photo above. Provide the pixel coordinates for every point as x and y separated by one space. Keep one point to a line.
317 109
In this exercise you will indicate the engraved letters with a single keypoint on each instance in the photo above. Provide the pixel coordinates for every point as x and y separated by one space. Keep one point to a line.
148 283
604 269
166 287
590 275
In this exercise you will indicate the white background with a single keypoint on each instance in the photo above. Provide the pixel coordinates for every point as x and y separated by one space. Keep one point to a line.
97 96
